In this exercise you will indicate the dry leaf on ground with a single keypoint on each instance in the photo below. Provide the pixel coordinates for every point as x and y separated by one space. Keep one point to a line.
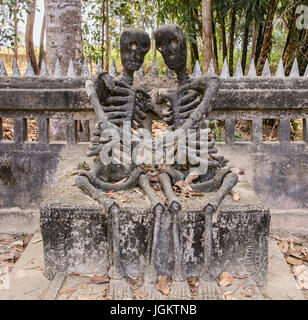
27 239
162 285
294 261
284 246
70 290
191 177
294 253
236 196
110 194
99 280
187 190
228 296
244 276
301 274
121 181
7 256
225 279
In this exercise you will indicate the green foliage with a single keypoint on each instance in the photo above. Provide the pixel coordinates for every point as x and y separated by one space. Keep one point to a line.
218 130
138 14
8 12
237 136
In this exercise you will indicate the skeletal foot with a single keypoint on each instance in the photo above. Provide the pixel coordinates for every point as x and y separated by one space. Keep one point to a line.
209 290
152 292
180 290
119 289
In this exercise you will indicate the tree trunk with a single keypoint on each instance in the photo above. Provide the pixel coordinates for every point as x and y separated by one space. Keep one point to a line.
30 52
253 41
215 42
245 41
16 35
259 42
194 51
103 31
63 34
302 56
108 46
267 40
224 38
232 34
42 54
293 42
154 46
207 35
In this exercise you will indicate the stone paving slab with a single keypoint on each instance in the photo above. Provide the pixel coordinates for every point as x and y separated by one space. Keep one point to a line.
17 220
27 281
290 222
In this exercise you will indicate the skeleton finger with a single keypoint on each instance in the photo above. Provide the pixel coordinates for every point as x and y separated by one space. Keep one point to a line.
119 100
169 120
114 108
186 99
141 114
185 115
120 91
119 83
114 115
190 106
145 94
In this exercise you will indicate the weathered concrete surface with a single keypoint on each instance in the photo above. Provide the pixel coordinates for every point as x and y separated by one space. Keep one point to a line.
16 220
74 229
27 170
69 94
277 172
27 281
280 284
290 222
30 284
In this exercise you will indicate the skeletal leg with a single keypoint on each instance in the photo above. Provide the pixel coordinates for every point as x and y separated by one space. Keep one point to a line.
131 182
118 287
180 288
229 181
150 277
208 289
212 184
83 183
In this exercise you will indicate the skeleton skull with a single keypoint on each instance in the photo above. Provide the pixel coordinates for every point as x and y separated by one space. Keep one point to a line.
171 43
134 45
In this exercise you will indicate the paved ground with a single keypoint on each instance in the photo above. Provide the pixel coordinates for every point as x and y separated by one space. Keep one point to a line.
27 282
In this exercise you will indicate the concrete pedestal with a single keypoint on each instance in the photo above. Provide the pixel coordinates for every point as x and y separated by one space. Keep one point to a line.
74 229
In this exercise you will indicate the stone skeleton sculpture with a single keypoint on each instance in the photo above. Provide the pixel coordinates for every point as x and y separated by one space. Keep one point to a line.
116 101
189 106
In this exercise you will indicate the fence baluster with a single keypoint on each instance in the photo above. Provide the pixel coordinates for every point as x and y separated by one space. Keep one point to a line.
20 130
43 130
284 131
257 131
71 132
230 125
